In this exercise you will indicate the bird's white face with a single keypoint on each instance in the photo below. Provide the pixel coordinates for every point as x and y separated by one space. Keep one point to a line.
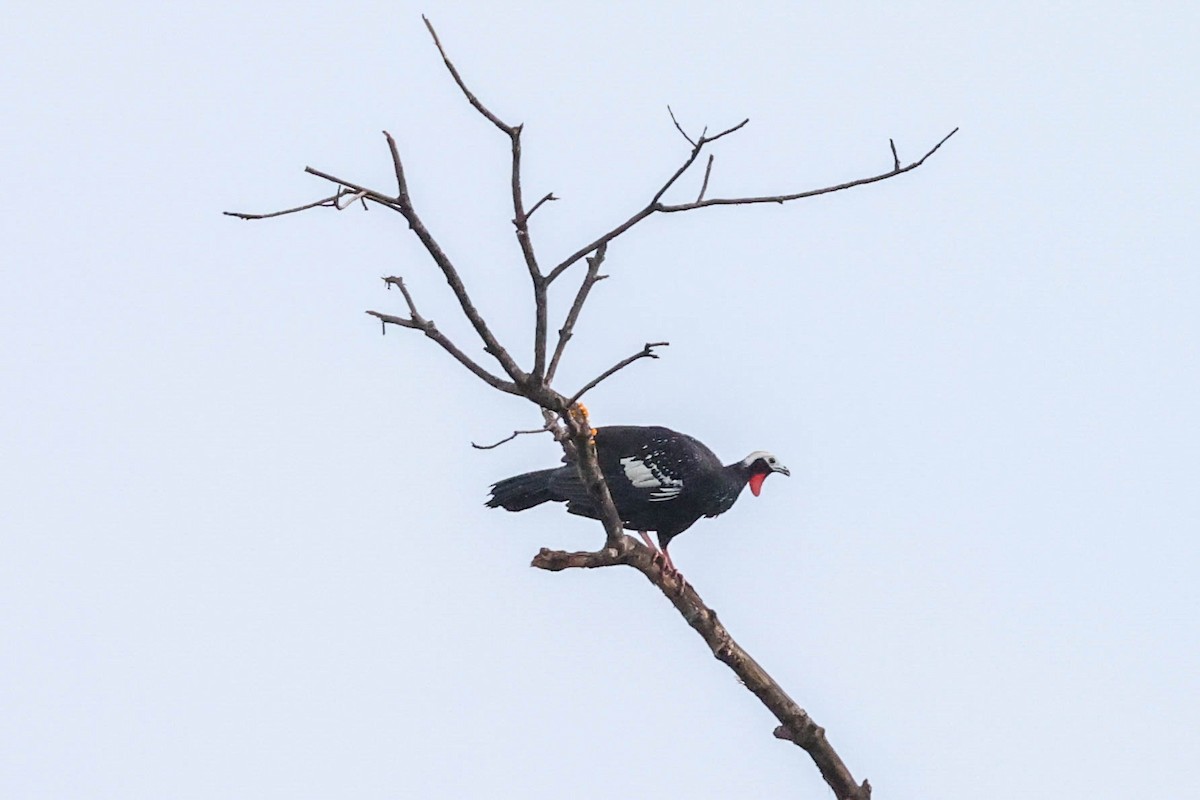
761 464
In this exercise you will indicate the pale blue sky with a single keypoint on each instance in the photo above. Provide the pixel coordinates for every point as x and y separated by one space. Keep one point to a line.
244 548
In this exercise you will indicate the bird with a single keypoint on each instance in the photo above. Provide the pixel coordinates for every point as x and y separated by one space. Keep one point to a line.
660 480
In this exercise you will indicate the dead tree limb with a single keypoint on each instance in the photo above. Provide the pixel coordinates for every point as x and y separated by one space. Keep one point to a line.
592 277
563 414
795 725
520 217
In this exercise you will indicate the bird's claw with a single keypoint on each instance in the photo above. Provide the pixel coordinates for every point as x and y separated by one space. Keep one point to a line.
669 569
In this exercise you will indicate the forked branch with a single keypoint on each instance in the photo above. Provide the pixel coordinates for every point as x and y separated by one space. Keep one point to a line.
656 205
417 322
785 198
520 216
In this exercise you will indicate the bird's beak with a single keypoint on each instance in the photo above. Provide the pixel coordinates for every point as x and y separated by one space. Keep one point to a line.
783 469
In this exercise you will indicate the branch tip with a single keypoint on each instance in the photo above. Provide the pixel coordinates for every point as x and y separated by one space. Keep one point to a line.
544 429
682 132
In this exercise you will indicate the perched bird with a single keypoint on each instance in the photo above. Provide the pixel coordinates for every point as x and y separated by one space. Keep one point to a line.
660 481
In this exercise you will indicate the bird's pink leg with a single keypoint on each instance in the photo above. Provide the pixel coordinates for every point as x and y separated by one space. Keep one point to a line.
672 569
663 557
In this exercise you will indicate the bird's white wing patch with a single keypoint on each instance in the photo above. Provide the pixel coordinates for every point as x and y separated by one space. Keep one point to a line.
666 493
644 475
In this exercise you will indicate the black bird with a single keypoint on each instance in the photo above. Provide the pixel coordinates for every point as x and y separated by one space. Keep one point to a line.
659 480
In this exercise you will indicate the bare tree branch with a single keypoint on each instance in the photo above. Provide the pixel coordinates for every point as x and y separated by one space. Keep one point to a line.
471 98
656 206
402 203
520 217
703 140
706 139
707 173
426 326
549 196
544 429
647 351
398 166
567 330
784 198
795 723
679 128
333 201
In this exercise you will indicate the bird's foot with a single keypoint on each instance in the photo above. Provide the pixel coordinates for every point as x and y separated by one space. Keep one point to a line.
669 568
663 559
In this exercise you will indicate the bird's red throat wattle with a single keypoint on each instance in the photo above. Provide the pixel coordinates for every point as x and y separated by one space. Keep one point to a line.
756 482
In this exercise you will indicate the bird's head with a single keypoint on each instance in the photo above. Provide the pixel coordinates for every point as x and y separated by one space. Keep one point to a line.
760 464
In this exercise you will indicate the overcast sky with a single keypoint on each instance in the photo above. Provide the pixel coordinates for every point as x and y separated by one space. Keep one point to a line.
244 551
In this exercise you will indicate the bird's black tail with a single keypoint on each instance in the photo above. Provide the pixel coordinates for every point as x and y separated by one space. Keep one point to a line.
522 491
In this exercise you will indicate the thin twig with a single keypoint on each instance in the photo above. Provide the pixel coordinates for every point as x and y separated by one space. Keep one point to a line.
709 139
647 351
509 438
325 202
895 155
707 173
592 277
398 167
549 196
393 280
471 98
679 128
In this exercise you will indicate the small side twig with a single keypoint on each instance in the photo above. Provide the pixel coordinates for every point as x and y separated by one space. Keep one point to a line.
707 173
471 98
549 197
544 429
565 333
647 351
679 128
417 322
333 201
895 155
398 167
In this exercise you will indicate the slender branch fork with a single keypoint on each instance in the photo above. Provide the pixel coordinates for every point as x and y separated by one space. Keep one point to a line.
564 416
